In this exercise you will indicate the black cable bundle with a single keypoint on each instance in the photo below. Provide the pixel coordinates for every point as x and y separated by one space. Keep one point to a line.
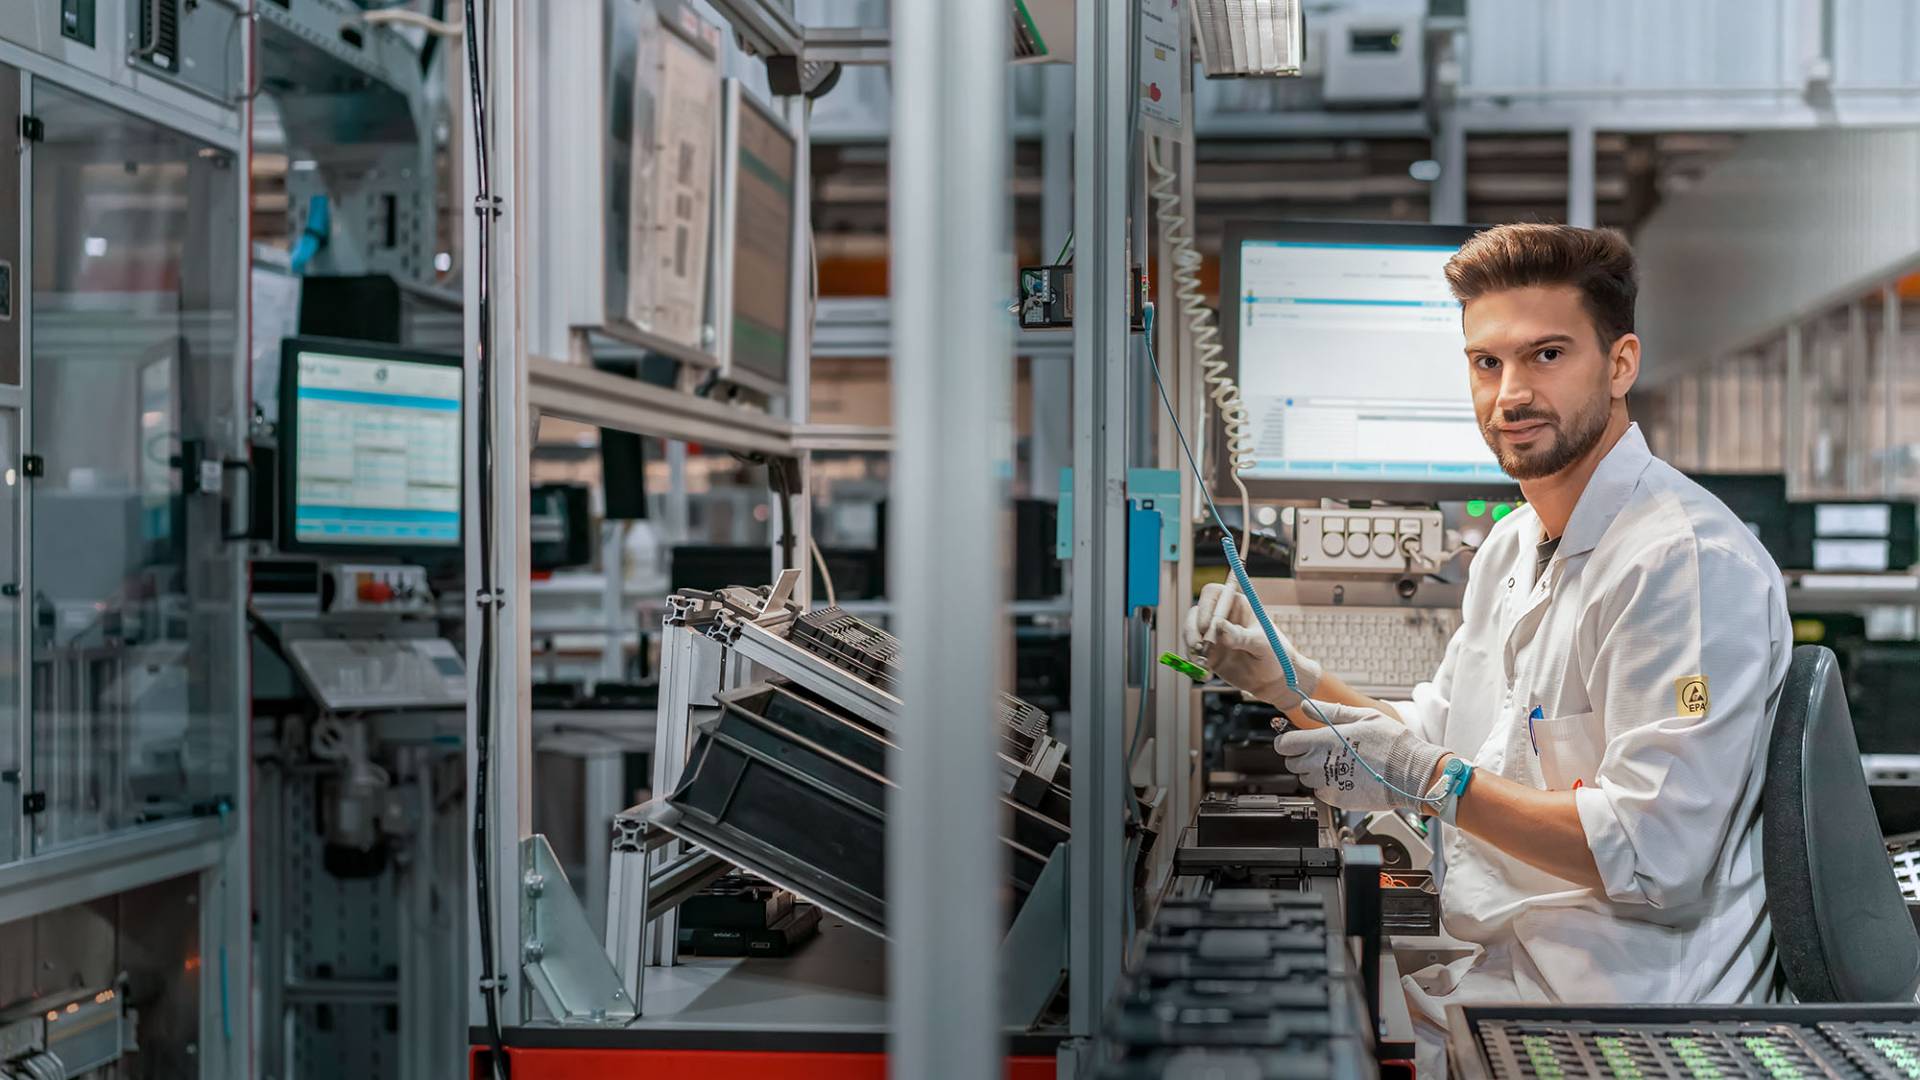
483 206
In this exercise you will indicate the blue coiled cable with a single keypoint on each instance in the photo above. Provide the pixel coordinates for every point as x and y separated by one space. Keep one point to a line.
1246 583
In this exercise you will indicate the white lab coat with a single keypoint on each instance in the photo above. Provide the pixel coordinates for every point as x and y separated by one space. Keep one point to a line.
1654 582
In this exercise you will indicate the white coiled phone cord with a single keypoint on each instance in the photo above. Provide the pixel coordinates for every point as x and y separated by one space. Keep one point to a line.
1176 231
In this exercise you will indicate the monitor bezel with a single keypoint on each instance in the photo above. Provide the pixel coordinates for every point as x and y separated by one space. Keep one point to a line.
288 440
1335 232
737 100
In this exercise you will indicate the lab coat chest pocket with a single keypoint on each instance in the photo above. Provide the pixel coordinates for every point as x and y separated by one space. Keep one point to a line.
1570 748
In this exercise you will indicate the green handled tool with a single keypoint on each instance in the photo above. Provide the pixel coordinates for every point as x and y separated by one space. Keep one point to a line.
1185 667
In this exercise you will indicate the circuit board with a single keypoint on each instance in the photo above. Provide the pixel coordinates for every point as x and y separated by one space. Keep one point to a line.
1773 1049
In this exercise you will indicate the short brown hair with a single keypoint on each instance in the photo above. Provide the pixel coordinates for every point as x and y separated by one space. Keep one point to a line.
1598 262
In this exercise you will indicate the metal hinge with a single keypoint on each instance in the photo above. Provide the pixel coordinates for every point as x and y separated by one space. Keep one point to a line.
33 129
33 803
33 465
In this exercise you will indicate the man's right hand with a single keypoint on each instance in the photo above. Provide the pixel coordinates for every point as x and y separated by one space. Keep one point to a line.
1239 652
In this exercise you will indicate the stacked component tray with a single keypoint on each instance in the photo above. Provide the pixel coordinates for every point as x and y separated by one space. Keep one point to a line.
1251 821
1793 1042
849 643
873 656
741 916
1904 852
1257 841
1249 983
787 786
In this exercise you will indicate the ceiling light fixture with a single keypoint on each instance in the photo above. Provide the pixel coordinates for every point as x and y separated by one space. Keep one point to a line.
1250 38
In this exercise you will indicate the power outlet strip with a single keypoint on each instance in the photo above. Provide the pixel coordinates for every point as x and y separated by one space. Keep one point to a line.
1363 541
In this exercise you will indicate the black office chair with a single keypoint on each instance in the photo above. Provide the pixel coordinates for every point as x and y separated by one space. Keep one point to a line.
1839 921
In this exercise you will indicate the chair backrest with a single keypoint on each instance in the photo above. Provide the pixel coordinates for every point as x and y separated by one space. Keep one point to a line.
1839 921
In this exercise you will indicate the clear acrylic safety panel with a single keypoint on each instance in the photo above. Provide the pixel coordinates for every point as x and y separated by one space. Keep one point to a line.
10 654
135 627
1830 393
1903 438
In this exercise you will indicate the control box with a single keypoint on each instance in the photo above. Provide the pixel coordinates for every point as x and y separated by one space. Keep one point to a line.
1364 541
1046 298
1374 57
394 589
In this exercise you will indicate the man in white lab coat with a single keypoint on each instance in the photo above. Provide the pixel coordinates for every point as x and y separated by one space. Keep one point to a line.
1596 736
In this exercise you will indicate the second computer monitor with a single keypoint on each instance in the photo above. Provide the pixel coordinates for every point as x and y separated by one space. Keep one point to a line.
1350 357
370 449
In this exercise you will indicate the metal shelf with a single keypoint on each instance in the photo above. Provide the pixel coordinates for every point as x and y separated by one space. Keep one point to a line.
1829 591
836 982
816 676
612 401
862 328
1891 770
303 40
585 732
843 438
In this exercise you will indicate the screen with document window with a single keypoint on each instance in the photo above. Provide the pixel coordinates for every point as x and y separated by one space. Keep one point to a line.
1352 361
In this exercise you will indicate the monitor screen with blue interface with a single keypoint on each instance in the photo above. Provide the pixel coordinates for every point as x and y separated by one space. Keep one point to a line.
375 455
1352 360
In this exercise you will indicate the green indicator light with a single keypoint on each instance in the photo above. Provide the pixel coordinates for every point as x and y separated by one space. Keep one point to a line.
1501 510
1476 508
1185 666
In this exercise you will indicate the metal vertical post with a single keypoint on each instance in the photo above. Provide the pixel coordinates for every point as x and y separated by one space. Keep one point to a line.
1192 402
1854 368
1890 462
800 342
1447 203
1582 211
1795 455
1056 159
1173 699
1096 873
614 614
23 658
1169 346
1051 381
952 455
506 679
1702 382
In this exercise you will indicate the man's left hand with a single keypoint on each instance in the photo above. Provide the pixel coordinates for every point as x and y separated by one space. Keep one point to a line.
1325 763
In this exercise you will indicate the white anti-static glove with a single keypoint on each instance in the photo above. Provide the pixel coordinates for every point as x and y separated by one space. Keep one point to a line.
1326 764
1240 653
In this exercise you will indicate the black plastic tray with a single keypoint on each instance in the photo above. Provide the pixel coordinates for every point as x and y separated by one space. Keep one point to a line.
1338 1059
796 792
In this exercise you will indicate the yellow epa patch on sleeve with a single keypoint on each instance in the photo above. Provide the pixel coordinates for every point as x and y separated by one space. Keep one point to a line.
1690 695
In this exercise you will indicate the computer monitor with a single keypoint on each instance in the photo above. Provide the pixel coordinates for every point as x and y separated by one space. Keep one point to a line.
1349 354
370 448
559 526
1759 500
1855 536
760 179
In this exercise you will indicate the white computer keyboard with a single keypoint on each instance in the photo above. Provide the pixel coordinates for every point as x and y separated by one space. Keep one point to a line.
1381 651
379 673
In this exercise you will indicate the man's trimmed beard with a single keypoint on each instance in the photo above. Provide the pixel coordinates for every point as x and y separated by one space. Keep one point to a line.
1570 443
